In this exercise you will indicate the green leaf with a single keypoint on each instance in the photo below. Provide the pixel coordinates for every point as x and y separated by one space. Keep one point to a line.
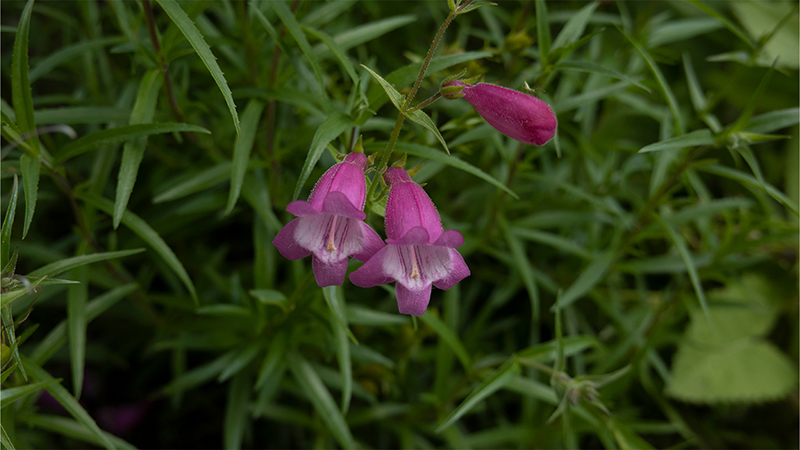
552 240
202 49
256 193
67 401
241 358
340 54
57 337
79 115
453 161
20 84
147 234
236 412
547 351
315 391
588 279
8 224
523 266
574 27
77 296
542 31
62 266
691 139
590 67
196 183
121 134
475 5
567 104
680 245
67 54
7 297
744 178
681 29
501 377
133 151
449 337
72 429
290 22
241 150
744 117
9 395
364 33
333 126
774 120
334 297
29 166
727 23
274 359
367 316
5 440
417 116
224 310
662 82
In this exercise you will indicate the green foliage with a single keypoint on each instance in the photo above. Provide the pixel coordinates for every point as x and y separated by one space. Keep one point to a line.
634 283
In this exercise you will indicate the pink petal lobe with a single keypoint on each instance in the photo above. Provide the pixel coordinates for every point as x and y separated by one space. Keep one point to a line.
301 208
450 238
413 301
414 236
372 272
338 204
329 274
287 245
458 271
372 243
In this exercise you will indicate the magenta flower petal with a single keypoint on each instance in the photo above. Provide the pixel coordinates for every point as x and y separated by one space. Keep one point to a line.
338 204
458 271
287 245
329 273
413 301
372 243
513 113
372 273
301 208
414 236
450 238
408 206
342 178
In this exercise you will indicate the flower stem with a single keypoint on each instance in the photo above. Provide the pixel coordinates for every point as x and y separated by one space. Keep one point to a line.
427 102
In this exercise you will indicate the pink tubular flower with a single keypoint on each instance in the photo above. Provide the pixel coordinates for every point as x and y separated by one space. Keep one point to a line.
513 113
419 252
330 225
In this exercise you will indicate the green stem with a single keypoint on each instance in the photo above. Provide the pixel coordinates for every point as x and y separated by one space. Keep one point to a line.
427 102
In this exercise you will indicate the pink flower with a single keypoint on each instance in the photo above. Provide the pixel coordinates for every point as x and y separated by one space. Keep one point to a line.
330 225
419 252
513 113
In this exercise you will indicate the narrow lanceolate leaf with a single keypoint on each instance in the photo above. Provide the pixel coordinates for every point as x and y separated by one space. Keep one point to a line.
449 337
202 49
417 116
77 296
5 440
29 166
121 134
452 161
691 139
542 31
71 429
241 150
67 54
751 104
147 234
593 274
774 120
587 66
20 84
8 224
662 82
317 393
340 54
196 183
334 296
335 125
58 267
750 181
9 396
7 297
67 401
574 27
288 19
680 244
236 412
133 151
523 266
502 376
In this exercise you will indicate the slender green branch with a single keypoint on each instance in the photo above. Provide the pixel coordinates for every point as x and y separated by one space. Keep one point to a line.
427 102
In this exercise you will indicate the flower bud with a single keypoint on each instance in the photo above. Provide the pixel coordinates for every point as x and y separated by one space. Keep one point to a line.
513 113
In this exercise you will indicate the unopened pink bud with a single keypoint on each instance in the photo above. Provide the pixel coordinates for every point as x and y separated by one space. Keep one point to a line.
513 113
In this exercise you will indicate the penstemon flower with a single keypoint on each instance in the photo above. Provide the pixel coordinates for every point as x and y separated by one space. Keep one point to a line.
513 113
330 225
419 252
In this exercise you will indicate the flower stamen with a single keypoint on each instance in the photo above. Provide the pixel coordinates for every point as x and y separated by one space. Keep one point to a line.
331 246
414 266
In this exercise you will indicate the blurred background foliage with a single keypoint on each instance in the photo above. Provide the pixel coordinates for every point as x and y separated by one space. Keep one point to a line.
638 289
